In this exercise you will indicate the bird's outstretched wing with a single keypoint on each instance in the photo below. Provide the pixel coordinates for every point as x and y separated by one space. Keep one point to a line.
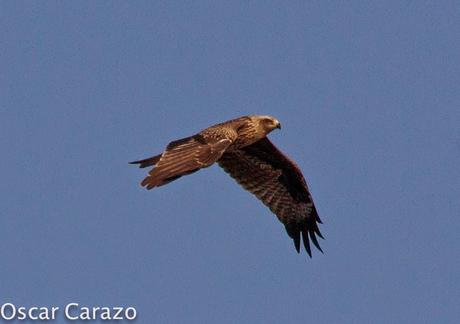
277 181
186 156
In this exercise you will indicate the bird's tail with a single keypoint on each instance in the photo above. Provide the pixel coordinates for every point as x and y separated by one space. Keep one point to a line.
151 161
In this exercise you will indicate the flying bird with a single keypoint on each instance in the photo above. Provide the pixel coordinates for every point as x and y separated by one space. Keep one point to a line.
241 147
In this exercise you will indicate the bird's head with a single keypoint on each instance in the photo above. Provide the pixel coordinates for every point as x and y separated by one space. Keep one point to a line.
268 123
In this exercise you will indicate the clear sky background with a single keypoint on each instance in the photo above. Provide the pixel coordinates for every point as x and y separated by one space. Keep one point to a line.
368 93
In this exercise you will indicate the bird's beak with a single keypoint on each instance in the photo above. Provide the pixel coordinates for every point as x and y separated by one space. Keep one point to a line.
278 125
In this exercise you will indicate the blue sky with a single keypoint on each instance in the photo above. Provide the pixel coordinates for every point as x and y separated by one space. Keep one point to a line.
369 98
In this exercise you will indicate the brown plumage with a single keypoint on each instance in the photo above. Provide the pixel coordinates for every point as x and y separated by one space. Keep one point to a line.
241 148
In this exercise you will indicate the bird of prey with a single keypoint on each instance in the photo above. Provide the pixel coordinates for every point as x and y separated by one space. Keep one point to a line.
241 147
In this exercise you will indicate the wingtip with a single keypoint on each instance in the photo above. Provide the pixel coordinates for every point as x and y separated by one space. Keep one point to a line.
317 231
147 183
315 241
306 243
297 245
148 186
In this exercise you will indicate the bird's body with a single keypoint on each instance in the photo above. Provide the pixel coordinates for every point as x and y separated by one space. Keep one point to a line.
241 148
242 131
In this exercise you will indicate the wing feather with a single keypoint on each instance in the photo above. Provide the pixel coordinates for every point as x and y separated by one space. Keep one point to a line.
277 181
185 156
